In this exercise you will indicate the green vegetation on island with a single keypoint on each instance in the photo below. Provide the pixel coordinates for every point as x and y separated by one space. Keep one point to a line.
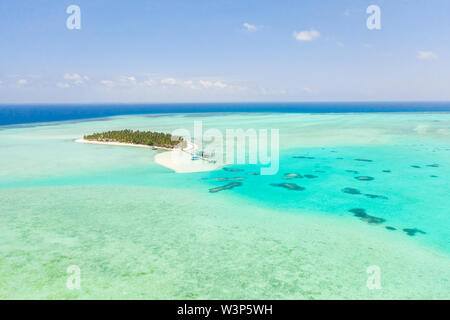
149 138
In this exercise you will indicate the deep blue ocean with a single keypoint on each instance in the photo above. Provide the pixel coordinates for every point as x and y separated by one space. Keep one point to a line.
18 114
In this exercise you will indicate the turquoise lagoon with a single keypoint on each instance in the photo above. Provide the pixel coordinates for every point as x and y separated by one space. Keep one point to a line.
139 230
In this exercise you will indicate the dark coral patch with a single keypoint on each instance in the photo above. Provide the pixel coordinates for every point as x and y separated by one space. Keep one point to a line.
375 196
352 171
434 165
289 186
302 157
358 211
433 176
339 158
310 176
364 178
226 187
391 228
412 232
253 173
364 160
387 171
351 191
229 179
361 213
292 176
414 166
232 169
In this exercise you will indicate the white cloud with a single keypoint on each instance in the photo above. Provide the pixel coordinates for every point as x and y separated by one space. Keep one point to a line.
306 35
189 84
107 83
309 90
128 82
210 84
272 91
127 79
170 81
426 55
219 84
22 82
206 84
250 27
75 78
148 82
63 85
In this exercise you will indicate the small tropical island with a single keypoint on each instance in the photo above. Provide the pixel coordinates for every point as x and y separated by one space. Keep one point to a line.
156 140
182 153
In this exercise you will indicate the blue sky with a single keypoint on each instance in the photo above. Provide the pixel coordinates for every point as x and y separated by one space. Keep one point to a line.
218 50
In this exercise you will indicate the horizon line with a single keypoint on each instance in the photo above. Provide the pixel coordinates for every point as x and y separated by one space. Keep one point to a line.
223 102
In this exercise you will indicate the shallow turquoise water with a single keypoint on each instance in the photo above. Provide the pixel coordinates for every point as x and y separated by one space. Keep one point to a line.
411 197
138 230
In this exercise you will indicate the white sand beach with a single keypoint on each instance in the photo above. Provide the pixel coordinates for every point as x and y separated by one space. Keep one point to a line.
81 140
181 162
